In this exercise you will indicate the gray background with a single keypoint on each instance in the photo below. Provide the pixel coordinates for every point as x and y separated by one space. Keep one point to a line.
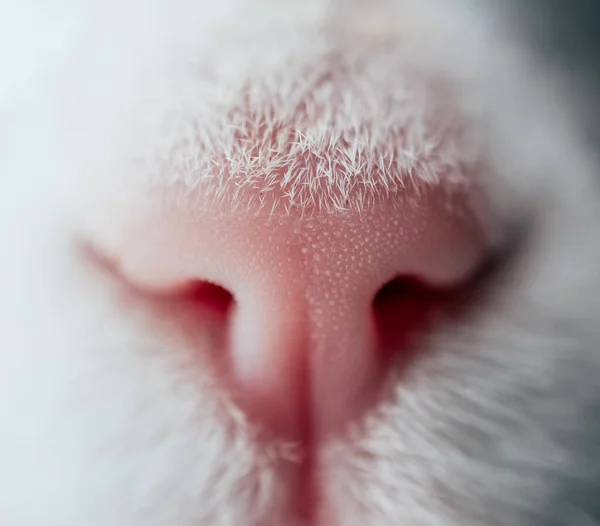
568 33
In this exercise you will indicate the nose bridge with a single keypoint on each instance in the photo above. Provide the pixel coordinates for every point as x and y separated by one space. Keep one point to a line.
318 262
342 360
303 344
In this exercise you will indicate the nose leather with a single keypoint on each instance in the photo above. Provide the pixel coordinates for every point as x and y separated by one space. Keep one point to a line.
302 344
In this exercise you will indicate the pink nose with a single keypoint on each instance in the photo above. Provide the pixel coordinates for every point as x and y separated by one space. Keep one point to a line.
305 346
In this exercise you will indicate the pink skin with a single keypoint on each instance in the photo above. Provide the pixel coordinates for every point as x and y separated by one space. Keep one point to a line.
303 348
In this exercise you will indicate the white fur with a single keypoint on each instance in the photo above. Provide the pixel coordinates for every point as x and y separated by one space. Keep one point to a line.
110 418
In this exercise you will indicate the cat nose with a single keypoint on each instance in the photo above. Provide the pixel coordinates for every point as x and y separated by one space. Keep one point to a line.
304 344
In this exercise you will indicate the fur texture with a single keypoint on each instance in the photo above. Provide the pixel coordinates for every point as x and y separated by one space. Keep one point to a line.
112 417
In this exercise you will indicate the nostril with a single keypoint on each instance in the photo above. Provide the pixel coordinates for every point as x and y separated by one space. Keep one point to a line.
206 295
195 294
194 305
404 309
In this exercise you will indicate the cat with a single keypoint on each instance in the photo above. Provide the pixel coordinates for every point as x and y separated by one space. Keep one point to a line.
275 263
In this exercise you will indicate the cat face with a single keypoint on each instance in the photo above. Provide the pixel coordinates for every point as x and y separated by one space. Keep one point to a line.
276 263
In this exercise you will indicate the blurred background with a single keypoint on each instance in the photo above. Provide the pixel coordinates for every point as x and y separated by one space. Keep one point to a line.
567 32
